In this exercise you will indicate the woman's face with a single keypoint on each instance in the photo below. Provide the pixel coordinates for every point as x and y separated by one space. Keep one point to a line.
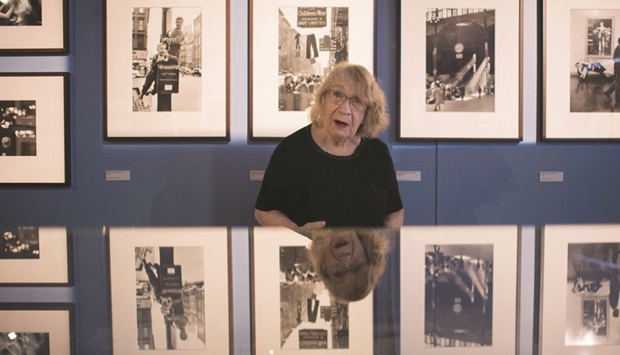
344 252
341 120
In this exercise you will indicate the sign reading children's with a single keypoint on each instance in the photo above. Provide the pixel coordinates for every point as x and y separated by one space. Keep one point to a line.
311 17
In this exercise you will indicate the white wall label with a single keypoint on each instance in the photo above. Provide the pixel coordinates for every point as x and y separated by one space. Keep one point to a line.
409 176
117 175
257 175
551 176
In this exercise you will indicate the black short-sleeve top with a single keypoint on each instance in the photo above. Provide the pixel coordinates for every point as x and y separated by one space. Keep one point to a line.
308 184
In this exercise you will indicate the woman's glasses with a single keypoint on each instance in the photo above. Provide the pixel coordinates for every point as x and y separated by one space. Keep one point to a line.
337 98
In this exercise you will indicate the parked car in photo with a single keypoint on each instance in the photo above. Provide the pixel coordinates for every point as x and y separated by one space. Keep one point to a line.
185 70
197 72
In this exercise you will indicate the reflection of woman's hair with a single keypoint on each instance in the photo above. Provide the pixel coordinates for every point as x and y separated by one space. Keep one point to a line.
358 282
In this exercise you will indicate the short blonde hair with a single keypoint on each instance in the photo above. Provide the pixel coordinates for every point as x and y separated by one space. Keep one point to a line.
376 118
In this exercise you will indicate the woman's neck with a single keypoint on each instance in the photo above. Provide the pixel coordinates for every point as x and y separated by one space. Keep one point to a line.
339 146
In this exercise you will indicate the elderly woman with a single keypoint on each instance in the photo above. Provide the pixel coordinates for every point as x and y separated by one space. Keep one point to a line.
335 171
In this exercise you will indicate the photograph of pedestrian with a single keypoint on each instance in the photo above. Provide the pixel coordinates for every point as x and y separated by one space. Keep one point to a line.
15 343
310 318
20 12
592 294
459 295
170 297
18 128
460 60
19 243
166 59
311 40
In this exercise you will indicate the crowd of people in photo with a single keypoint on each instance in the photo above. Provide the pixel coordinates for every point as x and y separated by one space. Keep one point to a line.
296 92
438 91
20 12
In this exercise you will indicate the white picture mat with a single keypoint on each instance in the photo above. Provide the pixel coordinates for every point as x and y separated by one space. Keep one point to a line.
560 123
55 322
48 166
213 240
553 291
50 35
51 267
413 242
267 120
504 123
266 254
211 121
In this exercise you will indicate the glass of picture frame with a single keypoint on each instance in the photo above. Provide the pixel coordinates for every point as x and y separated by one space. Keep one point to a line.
460 293
36 256
292 47
37 328
34 128
34 27
580 100
467 84
170 289
167 70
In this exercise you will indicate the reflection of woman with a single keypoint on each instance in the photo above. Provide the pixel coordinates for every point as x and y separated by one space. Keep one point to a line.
349 261
335 171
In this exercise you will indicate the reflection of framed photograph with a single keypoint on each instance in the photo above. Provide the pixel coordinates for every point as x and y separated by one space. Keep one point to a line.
170 289
292 48
580 100
468 83
167 70
581 288
43 256
34 127
34 27
28 328
293 311
469 277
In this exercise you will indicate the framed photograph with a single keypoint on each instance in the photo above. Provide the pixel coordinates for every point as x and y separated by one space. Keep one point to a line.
460 293
34 128
293 46
28 328
293 310
167 70
580 97
580 286
34 27
43 256
467 86
170 290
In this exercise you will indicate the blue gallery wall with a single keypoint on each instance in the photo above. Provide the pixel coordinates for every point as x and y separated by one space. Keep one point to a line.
208 183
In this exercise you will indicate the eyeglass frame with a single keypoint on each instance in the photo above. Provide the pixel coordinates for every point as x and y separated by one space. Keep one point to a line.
338 101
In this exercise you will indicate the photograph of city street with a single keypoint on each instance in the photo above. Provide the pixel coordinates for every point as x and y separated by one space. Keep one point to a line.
309 317
594 48
311 41
170 298
458 295
18 128
14 343
460 57
19 243
20 12
166 59
592 293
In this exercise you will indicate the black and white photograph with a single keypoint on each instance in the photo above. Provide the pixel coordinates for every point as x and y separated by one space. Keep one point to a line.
460 60
167 70
310 318
467 85
311 40
459 295
19 243
166 57
592 294
18 127
293 46
18 343
20 12
592 74
170 289
295 308
170 298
